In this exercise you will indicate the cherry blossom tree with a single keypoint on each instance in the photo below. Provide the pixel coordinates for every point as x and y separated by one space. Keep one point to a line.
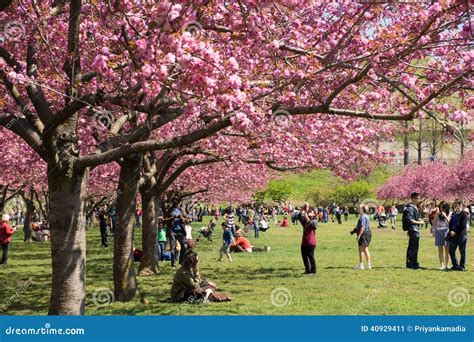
436 181
90 83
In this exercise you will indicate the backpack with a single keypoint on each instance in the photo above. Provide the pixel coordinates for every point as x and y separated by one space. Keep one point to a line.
405 223
454 221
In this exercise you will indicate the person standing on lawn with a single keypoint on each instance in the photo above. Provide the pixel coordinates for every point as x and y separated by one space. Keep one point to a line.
308 242
458 237
392 215
227 241
6 232
174 221
440 231
364 236
411 224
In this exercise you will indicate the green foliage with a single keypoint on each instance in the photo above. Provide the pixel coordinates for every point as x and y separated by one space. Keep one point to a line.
320 197
279 191
259 196
305 184
319 186
351 193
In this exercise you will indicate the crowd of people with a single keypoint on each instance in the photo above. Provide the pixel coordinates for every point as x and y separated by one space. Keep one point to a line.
448 223
449 226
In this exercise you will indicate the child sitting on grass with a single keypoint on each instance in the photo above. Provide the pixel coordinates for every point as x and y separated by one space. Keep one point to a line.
227 241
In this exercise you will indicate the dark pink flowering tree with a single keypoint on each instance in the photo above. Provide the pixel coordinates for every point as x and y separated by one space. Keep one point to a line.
436 181
160 76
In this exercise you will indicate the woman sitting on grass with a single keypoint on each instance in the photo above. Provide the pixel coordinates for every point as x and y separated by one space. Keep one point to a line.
188 286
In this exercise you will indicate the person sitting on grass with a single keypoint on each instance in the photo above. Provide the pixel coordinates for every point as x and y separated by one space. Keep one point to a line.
242 244
263 224
227 240
188 286
285 222
210 229
364 235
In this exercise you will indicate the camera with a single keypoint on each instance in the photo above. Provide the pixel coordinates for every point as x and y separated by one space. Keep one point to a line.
353 231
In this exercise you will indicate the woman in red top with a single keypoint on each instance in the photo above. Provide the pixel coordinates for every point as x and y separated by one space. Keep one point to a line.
284 223
308 243
5 237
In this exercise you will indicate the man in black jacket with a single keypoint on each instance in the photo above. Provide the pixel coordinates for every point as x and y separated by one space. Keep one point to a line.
458 236
412 218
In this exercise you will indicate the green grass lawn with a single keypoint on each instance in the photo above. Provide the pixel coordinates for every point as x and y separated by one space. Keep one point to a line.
337 289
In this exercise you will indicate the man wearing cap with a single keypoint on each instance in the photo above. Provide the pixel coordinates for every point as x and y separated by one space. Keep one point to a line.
5 237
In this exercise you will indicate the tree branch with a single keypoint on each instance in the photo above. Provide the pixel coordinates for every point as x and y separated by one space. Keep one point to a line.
15 94
151 145
9 59
160 188
320 109
25 130
35 93
73 63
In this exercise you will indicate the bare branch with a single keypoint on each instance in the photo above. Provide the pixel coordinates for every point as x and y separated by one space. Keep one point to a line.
25 130
15 94
9 59
35 93
151 145
319 109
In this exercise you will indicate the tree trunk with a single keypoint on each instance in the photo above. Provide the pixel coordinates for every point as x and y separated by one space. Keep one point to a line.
406 146
419 143
125 282
419 159
149 262
67 190
434 140
17 219
28 232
